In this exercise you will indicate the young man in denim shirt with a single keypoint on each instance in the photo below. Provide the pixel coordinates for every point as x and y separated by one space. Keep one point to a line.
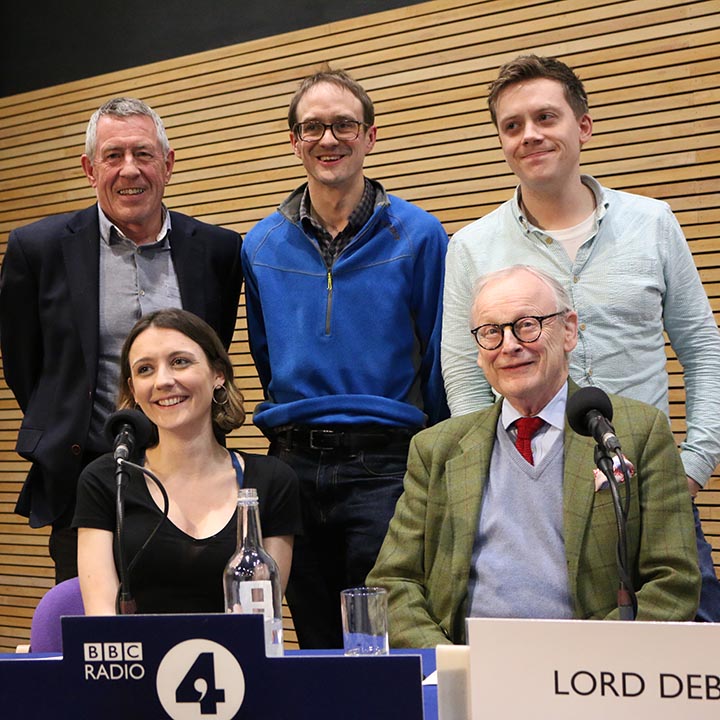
622 258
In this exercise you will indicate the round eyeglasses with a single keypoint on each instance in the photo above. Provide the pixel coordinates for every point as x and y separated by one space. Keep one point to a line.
526 329
313 130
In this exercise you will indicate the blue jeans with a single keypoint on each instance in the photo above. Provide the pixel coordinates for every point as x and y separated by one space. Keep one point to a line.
709 610
347 503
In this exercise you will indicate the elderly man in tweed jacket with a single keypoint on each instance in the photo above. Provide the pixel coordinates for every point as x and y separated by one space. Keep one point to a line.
482 531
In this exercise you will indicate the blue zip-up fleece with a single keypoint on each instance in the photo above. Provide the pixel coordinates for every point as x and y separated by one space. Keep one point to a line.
355 343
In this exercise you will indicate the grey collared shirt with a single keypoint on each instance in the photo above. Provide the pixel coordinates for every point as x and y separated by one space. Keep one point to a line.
134 281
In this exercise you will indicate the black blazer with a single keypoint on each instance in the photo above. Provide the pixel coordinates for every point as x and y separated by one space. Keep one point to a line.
49 288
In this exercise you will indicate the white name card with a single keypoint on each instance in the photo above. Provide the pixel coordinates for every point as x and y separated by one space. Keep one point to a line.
569 669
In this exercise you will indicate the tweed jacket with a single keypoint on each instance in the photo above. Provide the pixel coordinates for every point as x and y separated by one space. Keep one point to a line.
425 559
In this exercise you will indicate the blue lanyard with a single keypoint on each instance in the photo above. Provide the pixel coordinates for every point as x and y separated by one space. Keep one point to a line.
238 469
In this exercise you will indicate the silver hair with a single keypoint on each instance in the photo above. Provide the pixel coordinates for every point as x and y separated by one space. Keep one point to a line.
562 299
124 107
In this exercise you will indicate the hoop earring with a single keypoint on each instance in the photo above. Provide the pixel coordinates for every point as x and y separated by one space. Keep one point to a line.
224 397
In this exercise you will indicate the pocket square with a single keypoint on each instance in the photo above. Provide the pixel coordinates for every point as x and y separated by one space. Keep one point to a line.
601 482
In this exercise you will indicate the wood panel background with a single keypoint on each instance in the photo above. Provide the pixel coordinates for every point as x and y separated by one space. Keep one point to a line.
650 68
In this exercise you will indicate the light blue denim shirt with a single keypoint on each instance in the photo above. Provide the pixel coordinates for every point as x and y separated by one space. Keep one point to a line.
630 283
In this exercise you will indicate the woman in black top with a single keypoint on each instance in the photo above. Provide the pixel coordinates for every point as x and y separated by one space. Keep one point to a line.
174 368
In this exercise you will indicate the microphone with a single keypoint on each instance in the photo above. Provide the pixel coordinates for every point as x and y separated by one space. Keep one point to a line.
589 412
126 430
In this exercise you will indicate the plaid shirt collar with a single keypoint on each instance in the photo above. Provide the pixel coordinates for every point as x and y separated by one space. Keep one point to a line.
331 246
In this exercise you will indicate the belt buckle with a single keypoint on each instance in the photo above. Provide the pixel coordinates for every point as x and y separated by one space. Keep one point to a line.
319 435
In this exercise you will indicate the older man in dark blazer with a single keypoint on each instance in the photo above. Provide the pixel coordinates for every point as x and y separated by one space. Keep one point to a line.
73 285
487 527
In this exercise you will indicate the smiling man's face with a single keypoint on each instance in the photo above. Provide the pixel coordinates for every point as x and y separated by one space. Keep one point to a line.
540 135
527 374
129 173
328 161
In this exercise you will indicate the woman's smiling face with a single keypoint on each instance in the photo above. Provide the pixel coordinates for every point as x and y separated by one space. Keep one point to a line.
171 379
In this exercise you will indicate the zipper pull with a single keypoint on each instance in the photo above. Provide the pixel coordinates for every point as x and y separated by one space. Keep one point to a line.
329 281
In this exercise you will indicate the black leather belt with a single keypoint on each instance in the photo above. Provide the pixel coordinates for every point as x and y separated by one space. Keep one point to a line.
338 439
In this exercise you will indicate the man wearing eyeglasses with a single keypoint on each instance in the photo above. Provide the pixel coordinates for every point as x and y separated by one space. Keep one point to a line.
503 514
623 259
343 291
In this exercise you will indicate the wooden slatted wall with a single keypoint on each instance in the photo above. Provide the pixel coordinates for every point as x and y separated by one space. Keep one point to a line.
650 67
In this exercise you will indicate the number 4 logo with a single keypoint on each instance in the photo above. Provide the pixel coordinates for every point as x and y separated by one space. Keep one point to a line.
200 679
198 686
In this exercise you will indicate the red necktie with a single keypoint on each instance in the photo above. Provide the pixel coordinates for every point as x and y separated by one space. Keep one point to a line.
526 428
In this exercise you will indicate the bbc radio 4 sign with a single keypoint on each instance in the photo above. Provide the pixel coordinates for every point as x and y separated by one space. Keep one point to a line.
195 678
183 663
200 667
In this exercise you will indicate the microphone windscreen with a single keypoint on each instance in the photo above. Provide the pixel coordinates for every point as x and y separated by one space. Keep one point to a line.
142 427
582 402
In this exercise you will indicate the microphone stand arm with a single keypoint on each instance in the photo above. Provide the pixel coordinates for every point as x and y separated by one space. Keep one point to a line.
627 604
125 605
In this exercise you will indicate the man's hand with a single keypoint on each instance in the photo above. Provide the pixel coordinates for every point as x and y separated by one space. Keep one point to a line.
693 487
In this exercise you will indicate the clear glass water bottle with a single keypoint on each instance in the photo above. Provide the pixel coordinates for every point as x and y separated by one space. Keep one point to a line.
252 579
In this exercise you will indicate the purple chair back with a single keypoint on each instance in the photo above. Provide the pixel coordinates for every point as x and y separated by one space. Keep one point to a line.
62 599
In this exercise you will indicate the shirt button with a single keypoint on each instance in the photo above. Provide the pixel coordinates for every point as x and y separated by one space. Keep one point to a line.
576 279
589 372
548 241
142 292
582 326
75 449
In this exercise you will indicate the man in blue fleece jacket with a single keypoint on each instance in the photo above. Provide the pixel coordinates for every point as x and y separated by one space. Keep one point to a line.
343 290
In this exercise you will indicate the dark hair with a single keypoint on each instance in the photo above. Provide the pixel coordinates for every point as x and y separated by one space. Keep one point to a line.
226 416
334 77
529 67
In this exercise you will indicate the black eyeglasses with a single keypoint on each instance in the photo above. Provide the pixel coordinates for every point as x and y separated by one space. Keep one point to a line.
313 130
526 329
